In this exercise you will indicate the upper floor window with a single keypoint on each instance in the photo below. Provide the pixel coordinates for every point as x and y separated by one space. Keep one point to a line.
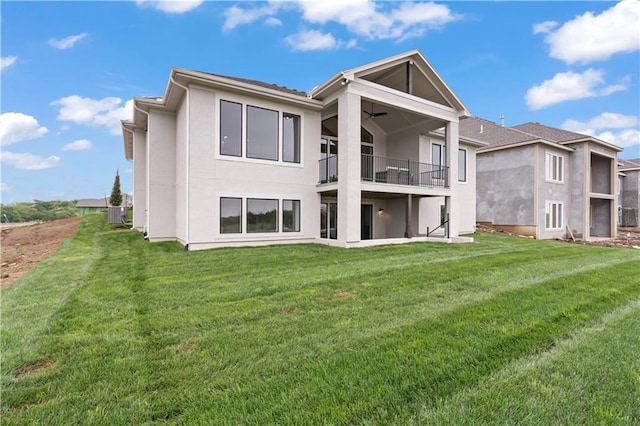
262 133
554 167
230 128
462 165
290 138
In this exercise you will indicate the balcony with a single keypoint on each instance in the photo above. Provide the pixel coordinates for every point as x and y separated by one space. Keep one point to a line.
390 171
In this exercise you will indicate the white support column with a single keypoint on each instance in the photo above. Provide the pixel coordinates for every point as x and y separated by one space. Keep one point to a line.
349 167
452 203
139 180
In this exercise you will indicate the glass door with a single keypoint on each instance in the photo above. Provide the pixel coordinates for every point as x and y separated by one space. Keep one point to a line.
366 221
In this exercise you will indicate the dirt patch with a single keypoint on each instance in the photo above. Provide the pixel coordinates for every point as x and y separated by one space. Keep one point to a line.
24 246
627 237
35 368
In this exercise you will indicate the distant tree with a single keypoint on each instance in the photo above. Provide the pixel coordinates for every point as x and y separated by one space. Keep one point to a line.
116 195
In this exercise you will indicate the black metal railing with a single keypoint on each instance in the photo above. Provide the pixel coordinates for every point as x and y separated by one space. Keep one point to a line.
390 170
403 172
329 169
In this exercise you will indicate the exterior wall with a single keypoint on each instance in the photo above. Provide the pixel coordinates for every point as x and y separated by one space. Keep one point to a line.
577 167
213 176
467 194
161 175
552 191
140 180
630 198
505 187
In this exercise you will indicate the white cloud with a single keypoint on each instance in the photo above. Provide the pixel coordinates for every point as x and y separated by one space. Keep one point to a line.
106 112
170 6
16 127
4 187
589 37
79 145
569 86
311 40
273 21
27 161
361 17
67 42
615 128
7 61
544 27
237 16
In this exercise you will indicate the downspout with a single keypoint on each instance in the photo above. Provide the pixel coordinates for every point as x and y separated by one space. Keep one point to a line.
145 230
188 155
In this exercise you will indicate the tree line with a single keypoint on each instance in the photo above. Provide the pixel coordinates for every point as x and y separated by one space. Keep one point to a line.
38 211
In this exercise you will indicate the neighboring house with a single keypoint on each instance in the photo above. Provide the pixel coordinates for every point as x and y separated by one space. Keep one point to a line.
92 205
629 192
370 156
541 181
98 205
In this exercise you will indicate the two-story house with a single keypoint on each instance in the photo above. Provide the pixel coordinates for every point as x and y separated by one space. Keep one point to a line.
370 156
544 182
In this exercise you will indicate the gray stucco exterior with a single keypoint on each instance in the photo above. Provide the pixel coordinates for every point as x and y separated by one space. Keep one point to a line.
629 195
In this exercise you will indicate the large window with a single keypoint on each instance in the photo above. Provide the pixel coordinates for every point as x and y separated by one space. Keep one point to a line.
262 215
438 160
291 215
262 133
554 167
290 138
230 128
553 215
462 165
230 215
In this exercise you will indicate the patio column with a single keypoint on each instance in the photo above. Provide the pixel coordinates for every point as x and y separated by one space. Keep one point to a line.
349 196
452 204
408 233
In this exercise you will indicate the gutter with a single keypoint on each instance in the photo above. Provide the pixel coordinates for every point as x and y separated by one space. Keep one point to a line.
188 154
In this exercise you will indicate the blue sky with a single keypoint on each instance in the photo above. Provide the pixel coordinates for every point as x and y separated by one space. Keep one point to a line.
70 69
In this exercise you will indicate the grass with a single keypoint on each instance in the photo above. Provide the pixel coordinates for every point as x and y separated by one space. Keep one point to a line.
113 330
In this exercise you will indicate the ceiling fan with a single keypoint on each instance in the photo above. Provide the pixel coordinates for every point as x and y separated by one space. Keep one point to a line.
374 114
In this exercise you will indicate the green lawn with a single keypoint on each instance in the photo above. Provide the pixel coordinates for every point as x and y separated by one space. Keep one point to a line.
114 330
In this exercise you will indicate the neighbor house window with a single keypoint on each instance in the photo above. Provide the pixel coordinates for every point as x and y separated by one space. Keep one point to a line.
291 215
554 167
230 215
230 128
262 133
462 165
553 215
262 215
290 138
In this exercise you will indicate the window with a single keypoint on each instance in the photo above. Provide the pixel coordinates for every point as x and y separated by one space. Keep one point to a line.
262 133
553 215
438 160
462 165
291 215
230 128
262 215
554 167
365 136
290 138
230 215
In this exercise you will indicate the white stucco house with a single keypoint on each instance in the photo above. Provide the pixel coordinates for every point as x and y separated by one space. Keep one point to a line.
370 156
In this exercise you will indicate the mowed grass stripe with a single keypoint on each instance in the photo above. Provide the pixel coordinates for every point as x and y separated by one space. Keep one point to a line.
306 334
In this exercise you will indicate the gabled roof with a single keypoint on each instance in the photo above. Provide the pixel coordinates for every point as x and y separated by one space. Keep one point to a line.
93 203
559 135
260 84
491 133
391 69
625 165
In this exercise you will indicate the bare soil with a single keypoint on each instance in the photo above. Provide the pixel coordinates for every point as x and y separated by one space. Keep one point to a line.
627 237
25 245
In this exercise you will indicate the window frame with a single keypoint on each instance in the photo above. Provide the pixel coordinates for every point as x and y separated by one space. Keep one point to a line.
277 218
554 167
462 169
277 133
241 128
220 229
554 210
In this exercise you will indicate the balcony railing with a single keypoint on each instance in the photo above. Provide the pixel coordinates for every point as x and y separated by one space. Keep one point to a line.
391 171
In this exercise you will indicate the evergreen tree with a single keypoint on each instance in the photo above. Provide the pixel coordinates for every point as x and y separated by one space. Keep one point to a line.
116 196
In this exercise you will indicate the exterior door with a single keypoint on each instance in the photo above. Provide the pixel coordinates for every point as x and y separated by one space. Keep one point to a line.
366 222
